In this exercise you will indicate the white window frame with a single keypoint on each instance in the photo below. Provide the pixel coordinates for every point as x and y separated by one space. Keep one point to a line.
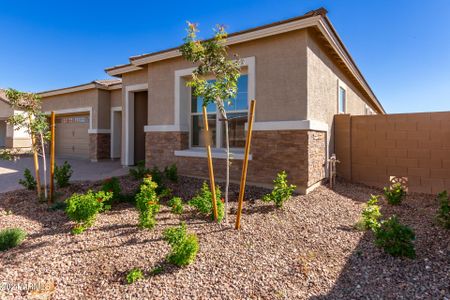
219 131
342 85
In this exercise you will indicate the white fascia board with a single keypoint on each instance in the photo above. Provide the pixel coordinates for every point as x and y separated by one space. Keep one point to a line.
95 131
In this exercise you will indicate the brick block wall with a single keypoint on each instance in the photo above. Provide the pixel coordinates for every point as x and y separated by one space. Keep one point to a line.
99 146
416 146
300 153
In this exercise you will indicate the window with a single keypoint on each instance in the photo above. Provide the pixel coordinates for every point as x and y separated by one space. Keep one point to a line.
237 113
342 99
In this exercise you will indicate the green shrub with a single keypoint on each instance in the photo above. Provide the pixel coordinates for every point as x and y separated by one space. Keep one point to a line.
370 215
112 185
29 182
176 204
147 203
83 208
203 202
171 173
157 270
134 275
158 178
395 238
281 192
184 247
394 194
11 237
140 171
63 174
443 215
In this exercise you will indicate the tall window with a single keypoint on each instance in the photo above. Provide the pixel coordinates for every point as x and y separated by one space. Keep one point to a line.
237 113
342 100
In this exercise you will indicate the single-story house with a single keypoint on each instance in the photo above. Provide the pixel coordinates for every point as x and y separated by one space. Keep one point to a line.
11 137
83 119
298 70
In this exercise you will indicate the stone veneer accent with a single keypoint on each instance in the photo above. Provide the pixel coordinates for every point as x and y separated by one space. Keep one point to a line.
301 153
99 146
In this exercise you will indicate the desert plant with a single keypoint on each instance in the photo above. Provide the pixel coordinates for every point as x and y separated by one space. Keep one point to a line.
112 185
370 215
29 182
443 215
11 237
134 275
184 247
171 172
63 174
83 208
176 204
140 171
158 178
395 238
203 202
281 192
147 203
395 193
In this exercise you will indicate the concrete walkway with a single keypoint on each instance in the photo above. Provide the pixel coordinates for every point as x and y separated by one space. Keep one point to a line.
12 171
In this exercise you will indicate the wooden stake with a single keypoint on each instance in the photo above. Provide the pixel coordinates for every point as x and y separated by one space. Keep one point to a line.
245 164
36 162
52 157
210 164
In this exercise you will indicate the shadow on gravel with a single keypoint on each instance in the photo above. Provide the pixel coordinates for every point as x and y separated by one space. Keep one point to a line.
369 273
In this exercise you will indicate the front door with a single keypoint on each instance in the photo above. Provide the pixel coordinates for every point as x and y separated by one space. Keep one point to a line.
140 120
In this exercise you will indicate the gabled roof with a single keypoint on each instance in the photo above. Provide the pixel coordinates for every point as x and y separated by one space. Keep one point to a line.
104 84
316 19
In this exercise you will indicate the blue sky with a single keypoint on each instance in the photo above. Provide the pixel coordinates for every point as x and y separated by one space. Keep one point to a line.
401 47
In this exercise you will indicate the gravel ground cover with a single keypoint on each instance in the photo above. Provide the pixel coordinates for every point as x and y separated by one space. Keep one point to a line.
307 250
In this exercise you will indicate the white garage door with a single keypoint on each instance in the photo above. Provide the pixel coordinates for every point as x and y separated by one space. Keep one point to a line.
72 138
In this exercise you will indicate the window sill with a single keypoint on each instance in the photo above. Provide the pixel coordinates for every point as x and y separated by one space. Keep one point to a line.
216 153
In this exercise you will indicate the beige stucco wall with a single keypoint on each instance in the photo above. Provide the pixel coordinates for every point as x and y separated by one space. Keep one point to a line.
80 99
324 75
116 98
5 110
280 79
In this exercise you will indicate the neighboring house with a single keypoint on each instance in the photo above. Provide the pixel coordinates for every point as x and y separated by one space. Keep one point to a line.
299 72
11 137
83 119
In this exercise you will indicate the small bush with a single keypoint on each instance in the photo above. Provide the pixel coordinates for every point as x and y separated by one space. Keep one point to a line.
370 215
147 203
83 208
63 174
157 270
394 194
184 247
203 202
29 182
281 192
395 238
11 237
158 178
176 204
112 185
134 275
140 171
171 173
443 215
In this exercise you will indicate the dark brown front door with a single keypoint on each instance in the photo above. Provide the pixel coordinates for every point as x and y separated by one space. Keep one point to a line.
140 120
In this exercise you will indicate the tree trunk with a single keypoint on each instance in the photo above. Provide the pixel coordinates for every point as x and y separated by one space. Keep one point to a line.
45 164
221 107
35 159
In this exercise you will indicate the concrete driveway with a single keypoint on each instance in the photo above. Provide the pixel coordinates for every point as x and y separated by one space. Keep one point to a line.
12 171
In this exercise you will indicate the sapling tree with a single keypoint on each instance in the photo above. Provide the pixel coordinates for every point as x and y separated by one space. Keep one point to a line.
212 59
34 121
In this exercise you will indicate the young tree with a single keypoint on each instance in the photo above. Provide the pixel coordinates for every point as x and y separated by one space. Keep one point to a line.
34 121
212 58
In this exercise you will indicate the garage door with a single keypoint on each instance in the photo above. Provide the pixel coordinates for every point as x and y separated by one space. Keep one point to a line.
72 138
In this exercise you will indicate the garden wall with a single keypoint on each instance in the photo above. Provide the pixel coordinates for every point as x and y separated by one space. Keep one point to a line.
371 149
